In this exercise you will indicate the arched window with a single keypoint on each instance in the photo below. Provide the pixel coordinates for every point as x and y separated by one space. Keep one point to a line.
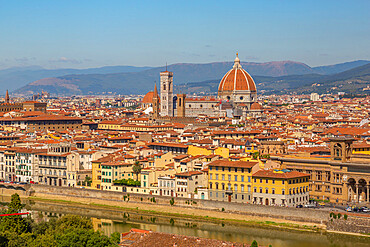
267 190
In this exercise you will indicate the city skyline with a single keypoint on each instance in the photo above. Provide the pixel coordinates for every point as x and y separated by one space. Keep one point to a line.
72 34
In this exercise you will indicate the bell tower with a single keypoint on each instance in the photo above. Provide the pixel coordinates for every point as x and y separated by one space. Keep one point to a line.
166 93
155 102
341 148
181 105
7 98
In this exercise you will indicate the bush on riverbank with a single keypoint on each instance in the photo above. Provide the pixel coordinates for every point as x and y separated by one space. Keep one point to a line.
69 230
127 182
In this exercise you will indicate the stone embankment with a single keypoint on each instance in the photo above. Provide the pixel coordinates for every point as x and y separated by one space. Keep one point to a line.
198 208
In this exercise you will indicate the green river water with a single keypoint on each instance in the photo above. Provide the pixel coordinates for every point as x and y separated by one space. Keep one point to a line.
112 220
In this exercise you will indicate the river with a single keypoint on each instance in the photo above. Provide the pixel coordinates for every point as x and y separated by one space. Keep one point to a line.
112 220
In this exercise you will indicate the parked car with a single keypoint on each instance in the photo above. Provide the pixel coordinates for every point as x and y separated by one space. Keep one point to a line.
309 206
299 206
349 209
366 210
322 203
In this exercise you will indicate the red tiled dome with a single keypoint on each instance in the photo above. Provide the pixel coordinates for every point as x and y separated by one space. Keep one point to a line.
256 106
148 98
237 79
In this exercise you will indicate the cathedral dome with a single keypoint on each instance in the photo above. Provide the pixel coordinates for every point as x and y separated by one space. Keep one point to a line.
148 98
236 79
256 107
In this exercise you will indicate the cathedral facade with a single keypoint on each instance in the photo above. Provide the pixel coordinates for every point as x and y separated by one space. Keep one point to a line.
237 97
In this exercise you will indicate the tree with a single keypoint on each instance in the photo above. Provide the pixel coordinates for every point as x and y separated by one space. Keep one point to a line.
115 237
255 155
136 168
73 221
15 204
83 237
14 223
87 181
254 244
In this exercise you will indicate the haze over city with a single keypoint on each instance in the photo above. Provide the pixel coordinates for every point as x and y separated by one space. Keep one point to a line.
83 34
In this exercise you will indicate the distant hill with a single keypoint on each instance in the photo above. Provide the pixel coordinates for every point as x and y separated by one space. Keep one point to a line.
16 77
350 81
337 68
270 76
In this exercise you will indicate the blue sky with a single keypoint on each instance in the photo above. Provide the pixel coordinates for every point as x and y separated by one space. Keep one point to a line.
81 34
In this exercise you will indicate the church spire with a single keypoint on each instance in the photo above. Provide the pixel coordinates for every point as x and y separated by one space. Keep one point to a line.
7 99
155 90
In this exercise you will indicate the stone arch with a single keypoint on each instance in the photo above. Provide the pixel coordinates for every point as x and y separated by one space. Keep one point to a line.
362 190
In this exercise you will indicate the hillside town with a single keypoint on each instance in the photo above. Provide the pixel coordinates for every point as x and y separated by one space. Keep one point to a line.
283 150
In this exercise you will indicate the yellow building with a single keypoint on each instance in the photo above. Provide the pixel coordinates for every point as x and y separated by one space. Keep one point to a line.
231 180
115 170
194 151
96 172
280 187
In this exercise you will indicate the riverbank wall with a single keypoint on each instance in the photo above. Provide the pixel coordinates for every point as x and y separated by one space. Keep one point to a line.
214 209
291 214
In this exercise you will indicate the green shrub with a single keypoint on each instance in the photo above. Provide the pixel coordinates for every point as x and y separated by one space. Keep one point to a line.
254 244
339 215
331 214
172 201
334 216
222 209
345 217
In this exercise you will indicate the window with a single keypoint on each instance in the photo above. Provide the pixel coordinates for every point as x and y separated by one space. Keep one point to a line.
223 176
249 179
210 186
235 187
283 192
236 177
242 178
267 181
260 189
216 176
255 189
267 190
229 177
273 181
273 191
210 176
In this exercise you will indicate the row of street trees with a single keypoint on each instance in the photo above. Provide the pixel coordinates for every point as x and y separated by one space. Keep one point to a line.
67 231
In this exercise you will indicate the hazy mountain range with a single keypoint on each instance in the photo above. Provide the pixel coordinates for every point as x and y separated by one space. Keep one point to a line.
269 76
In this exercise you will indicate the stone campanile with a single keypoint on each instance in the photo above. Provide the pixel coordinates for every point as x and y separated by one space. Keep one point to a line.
166 93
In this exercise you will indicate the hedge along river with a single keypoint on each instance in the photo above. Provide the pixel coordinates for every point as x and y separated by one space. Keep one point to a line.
115 220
